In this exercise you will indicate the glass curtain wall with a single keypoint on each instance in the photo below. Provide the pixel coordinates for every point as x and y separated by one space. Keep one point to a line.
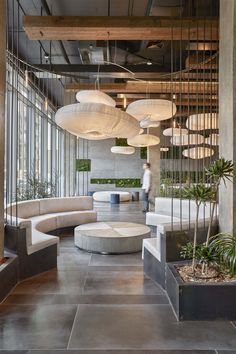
40 156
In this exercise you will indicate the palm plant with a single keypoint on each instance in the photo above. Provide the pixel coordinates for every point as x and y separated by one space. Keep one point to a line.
224 244
220 170
201 194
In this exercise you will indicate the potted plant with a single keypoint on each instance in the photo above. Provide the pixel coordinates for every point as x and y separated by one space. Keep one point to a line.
195 290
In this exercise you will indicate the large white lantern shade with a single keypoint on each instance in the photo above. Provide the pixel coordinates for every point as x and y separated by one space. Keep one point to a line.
190 139
203 121
198 152
125 150
144 140
175 132
95 121
95 96
153 109
213 140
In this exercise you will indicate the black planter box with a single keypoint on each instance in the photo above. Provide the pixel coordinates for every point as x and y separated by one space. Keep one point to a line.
8 275
200 301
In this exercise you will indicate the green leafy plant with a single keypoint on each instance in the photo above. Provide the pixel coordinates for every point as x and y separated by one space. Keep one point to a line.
220 171
224 244
201 194
203 254
35 189
143 153
83 165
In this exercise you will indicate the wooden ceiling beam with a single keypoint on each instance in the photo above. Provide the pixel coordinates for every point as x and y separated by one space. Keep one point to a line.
189 87
182 103
120 28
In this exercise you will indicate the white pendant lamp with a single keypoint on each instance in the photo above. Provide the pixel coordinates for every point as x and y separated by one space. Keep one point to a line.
147 123
154 109
203 121
190 139
95 96
175 132
125 150
213 139
199 152
96 121
144 140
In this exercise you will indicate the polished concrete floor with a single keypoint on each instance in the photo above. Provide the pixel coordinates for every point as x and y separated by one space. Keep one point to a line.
102 304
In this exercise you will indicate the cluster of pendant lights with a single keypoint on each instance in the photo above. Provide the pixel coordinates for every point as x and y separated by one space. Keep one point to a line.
197 122
95 117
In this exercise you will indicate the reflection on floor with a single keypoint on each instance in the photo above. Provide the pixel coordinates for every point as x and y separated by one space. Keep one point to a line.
102 304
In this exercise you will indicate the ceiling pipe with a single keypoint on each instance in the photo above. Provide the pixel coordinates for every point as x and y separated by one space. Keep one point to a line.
48 12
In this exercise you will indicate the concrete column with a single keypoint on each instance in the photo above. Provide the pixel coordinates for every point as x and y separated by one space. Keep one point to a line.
154 159
227 109
2 116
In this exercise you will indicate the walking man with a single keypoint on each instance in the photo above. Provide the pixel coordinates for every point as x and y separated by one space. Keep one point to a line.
147 184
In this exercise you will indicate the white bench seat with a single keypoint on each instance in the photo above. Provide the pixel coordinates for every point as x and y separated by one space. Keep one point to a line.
41 216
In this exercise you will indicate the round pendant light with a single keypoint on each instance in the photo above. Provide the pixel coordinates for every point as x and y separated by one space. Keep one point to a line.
96 121
153 109
213 139
95 96
190 139
125 150
144 140
203 121
147 123
199 152
175 132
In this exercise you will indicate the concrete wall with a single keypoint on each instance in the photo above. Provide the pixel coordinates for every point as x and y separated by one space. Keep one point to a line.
227 107
105 164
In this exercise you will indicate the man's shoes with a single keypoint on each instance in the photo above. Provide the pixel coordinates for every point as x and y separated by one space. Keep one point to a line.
144 211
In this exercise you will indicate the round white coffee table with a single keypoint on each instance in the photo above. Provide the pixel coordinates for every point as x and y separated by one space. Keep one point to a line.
111 237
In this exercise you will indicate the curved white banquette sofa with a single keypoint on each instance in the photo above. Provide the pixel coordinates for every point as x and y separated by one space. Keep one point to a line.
105 196
41 216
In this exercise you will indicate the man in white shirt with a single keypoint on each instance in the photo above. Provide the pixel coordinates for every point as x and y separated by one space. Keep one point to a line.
147 185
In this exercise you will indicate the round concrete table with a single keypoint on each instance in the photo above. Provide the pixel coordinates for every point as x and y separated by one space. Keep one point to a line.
111 237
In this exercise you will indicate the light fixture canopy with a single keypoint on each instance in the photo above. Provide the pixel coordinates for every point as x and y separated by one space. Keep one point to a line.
203 121
198 152
95 96
124 150
190 139
153 109
95 121
144 140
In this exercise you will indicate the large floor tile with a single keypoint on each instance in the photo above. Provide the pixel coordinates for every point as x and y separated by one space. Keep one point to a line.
34 299
133 259
123 352
146 327
36 327
123 283
73 259
55 281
